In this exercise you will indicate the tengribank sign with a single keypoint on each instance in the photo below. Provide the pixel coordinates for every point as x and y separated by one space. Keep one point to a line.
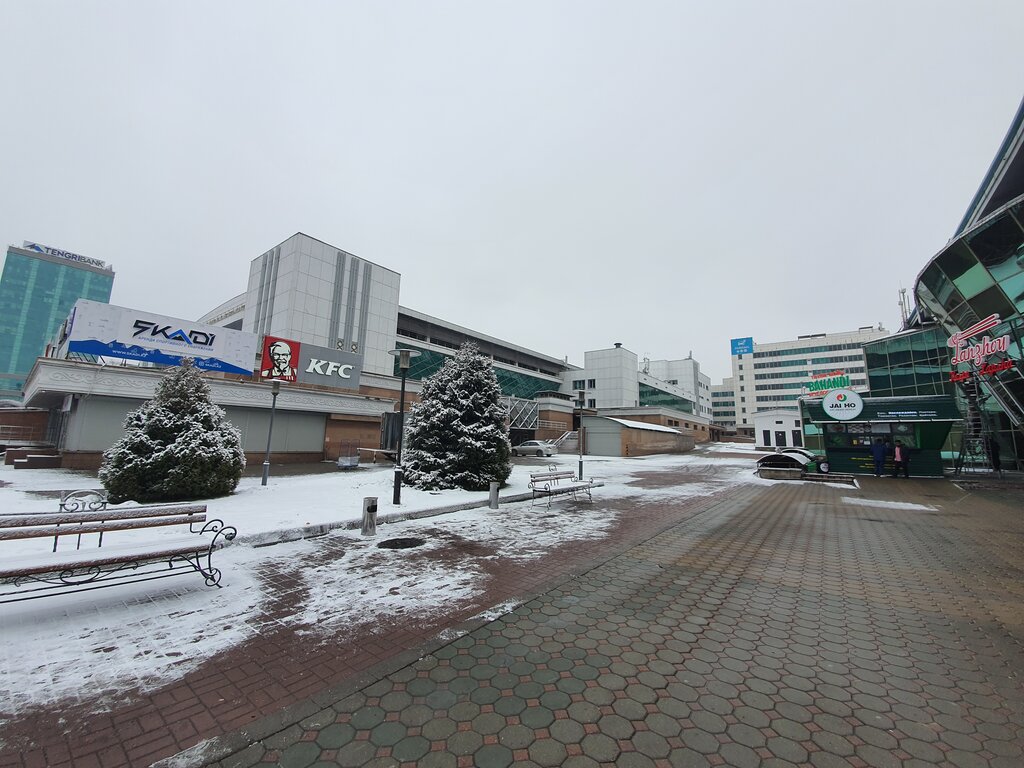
28 245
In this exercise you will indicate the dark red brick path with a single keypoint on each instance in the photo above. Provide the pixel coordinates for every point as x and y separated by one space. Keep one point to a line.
281 667
787 626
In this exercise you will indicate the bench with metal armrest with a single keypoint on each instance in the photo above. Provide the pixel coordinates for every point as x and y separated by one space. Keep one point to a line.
555 482
79 559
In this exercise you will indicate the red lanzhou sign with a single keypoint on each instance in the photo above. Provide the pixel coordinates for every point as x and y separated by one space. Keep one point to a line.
977 354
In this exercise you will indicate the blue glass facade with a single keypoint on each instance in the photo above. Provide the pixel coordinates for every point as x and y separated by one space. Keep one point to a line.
36 295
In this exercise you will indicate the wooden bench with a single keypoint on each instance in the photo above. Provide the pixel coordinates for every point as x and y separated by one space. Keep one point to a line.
555 482
374 452
79 560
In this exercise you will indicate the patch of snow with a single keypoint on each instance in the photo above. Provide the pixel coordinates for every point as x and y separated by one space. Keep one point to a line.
96 647
887 504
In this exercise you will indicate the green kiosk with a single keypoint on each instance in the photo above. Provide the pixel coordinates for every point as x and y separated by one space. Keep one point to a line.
844 425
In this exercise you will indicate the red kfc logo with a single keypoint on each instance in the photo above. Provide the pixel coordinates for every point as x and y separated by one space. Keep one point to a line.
278 356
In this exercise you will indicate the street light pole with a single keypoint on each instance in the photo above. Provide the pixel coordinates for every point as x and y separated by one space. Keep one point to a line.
579 434
275 389
404 357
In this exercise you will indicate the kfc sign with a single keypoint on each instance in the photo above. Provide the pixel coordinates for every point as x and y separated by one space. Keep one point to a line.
278 355
329 368
288 360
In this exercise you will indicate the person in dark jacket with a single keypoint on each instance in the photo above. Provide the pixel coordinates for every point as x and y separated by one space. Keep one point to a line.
993 451
878 453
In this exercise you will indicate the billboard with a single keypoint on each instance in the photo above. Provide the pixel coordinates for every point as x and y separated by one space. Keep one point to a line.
289 360
743 346
28 245
105 330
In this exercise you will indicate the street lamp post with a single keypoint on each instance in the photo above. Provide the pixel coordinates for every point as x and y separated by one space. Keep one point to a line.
579 434
275 390
404 357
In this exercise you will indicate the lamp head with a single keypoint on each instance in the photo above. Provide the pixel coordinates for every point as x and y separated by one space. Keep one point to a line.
275 387
404 356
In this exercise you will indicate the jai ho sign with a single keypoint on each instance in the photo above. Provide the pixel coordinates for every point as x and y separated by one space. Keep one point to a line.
843 404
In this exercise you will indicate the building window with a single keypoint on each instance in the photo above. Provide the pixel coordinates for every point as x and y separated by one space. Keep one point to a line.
766 436
591 403
591 383
577 383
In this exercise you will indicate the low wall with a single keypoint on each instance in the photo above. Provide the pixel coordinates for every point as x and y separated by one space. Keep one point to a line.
91 460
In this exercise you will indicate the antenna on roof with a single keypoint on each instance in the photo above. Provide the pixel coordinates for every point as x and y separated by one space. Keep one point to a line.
904 309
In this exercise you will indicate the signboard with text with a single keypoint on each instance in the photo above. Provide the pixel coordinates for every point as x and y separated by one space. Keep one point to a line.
977 355
289 361
823 383
744 346
842 404
106 330
28 245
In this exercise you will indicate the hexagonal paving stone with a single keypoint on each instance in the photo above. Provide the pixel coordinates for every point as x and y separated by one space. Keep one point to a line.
335 736
410 749
464 742
299 755
599 747
548 752
439 729
493 756
567 731
537 717
388 734
367 718
652 744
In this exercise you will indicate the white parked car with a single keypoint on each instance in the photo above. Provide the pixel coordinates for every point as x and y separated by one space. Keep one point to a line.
535 448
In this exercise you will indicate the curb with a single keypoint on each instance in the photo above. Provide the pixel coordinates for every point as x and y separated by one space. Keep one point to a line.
283 536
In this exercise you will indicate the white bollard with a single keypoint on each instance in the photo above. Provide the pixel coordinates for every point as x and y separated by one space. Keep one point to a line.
369 516
493 504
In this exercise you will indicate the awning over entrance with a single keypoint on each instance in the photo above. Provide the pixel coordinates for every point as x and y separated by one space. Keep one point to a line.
921 424
890 409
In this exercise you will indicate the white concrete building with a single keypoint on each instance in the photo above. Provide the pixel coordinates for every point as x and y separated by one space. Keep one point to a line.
308 290
776 374
723 404
778 428
685 374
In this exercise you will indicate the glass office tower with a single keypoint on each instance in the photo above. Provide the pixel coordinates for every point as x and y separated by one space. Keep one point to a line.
37 290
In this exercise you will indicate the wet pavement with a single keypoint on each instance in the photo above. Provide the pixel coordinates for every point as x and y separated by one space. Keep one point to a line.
769 625
782 626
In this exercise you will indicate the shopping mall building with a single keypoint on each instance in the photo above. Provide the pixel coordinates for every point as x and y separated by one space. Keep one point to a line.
324 325
951 383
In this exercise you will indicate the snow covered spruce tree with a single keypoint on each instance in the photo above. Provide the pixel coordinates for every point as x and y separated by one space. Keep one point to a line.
177 446
457 436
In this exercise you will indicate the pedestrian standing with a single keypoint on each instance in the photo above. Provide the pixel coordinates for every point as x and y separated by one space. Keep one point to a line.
878 454
993 451
900 460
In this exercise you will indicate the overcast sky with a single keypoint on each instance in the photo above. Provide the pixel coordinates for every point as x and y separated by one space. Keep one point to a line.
561 175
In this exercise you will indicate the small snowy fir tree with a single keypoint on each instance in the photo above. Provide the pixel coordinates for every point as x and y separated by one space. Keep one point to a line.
457 436
177 446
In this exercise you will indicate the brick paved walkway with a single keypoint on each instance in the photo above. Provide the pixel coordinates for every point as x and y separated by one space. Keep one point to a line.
283 666
785 626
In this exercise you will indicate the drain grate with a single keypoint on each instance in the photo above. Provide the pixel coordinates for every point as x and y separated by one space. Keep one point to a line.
401 543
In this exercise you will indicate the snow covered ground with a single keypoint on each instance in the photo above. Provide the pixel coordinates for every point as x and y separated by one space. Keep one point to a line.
93 646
